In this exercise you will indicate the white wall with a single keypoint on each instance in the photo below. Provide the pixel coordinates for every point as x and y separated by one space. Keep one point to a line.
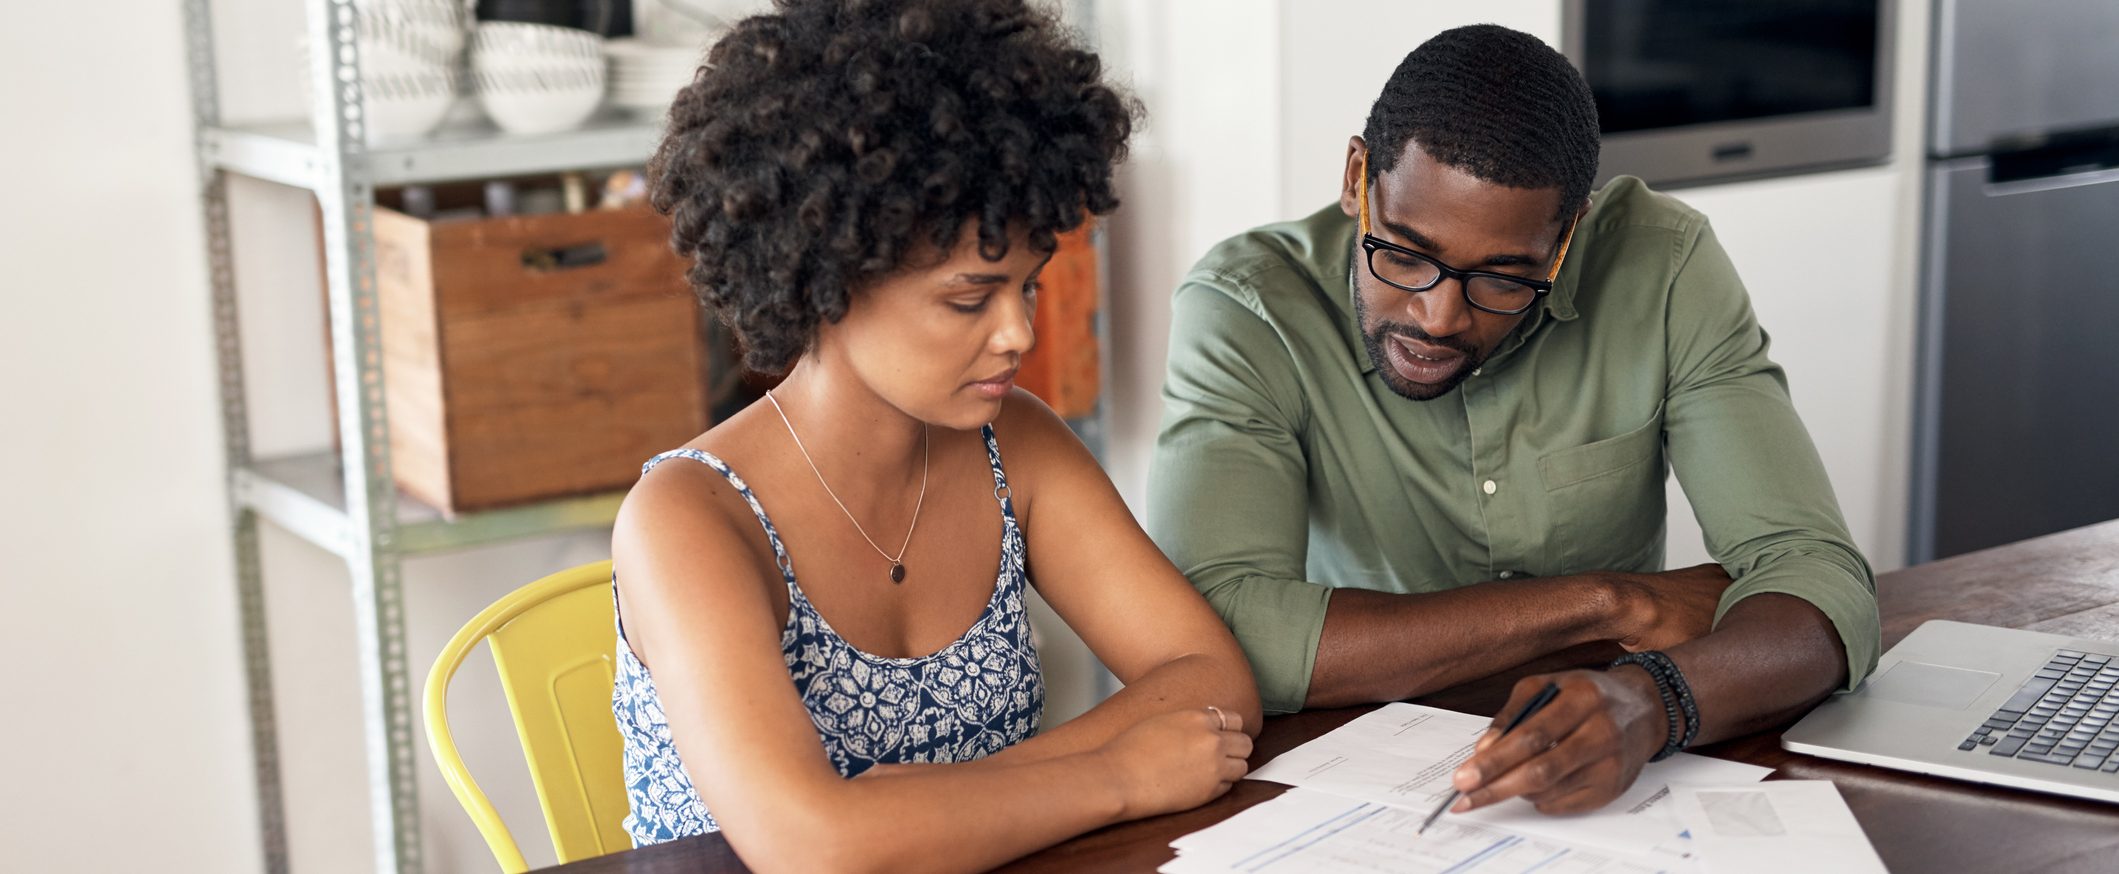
124 748
1208 74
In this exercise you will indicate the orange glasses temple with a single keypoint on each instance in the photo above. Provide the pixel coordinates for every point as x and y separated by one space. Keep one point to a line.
1364 185
1566 241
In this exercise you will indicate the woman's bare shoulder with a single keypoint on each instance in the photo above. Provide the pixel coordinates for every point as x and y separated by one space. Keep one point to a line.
686 524
1039 448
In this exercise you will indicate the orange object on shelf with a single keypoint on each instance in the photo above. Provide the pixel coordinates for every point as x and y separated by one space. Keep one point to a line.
1063 368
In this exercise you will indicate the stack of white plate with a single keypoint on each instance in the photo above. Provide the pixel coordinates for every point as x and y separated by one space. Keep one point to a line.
408 55
536 78
645 77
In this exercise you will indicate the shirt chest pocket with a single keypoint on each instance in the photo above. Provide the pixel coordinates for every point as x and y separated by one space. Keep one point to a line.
1605 501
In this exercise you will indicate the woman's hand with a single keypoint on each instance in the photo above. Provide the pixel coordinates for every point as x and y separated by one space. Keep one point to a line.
1177 761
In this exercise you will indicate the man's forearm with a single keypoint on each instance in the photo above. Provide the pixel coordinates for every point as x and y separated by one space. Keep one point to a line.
1771 658
1378 646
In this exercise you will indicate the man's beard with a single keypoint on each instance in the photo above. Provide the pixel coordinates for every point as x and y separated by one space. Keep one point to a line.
1384 330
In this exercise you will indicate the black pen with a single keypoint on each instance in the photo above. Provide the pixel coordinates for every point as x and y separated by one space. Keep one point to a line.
1537 703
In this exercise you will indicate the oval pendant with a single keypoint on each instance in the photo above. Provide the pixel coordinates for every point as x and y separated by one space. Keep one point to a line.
897 573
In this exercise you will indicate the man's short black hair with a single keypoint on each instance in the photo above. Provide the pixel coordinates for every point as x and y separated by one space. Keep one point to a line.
1496 103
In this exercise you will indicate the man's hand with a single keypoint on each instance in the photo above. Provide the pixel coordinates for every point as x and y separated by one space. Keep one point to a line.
1577 754
1660 611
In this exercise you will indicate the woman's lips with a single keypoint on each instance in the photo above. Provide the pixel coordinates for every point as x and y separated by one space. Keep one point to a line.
996 387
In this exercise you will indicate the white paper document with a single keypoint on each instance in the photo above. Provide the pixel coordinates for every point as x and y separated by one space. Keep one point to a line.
1785 825
1403 755
1309 832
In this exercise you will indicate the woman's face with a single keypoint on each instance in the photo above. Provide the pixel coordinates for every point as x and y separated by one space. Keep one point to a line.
941 339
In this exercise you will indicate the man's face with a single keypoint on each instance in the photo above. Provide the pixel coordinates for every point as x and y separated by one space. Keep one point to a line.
1425 343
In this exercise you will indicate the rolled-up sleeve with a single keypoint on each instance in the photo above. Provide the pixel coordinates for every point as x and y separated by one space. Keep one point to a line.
1227 498
1747 464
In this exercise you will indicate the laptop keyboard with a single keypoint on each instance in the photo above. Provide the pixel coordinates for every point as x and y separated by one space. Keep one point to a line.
2063 715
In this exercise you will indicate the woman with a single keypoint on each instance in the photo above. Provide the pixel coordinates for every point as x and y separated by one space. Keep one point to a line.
867 190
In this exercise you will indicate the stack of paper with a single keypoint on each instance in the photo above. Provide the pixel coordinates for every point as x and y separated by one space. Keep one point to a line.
1404 754
1364 788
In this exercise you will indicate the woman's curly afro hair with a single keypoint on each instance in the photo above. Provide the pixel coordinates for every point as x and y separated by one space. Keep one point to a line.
824 142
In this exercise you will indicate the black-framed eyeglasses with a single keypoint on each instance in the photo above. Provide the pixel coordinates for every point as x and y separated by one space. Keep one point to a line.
1406 270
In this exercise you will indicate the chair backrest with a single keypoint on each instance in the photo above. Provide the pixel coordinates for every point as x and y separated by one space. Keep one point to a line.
553 642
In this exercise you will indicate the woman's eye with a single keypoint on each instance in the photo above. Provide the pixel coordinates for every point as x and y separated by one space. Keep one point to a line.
970 308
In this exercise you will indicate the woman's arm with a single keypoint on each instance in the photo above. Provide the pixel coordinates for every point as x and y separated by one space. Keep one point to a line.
700 615
1092 562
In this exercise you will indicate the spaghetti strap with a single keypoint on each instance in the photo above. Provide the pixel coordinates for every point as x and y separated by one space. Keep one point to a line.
1001 491
772 534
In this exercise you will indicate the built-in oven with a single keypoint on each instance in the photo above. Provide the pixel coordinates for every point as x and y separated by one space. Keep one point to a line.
1690 91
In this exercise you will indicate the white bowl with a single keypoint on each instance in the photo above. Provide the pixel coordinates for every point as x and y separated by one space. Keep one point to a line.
521 39
537 99
398 119
537 78
514 79
403 96
540 113
435 30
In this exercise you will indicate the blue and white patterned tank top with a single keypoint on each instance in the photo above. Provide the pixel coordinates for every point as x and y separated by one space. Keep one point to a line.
973 698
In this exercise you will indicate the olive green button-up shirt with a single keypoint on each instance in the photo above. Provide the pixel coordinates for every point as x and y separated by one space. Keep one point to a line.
1287 468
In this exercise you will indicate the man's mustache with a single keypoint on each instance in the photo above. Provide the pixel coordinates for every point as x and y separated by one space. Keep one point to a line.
1413 332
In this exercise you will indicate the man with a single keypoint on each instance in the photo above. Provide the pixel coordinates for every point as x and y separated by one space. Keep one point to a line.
1421 437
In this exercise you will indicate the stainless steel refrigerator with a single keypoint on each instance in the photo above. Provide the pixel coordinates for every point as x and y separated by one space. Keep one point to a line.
2016 420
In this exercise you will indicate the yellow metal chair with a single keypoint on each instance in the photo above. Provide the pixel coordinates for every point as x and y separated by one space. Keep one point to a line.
553 641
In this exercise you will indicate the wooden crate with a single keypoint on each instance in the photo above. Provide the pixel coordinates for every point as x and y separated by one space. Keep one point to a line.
1062 369
533 357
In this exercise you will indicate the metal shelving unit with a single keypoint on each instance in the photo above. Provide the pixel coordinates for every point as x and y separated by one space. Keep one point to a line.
306 495
288 153
345 502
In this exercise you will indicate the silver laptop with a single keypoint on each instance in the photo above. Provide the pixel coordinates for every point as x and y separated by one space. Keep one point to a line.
1993 705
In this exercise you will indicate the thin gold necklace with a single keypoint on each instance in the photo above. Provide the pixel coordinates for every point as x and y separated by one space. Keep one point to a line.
897 562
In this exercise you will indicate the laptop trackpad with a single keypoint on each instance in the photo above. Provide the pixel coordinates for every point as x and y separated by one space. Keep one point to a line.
1931 685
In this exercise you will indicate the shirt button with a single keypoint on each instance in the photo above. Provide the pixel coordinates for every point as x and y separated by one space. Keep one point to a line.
1475 370
1489 487
1506 574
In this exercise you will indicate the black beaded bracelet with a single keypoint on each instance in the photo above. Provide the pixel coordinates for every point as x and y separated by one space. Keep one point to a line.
1678 705
1670 704
1667 674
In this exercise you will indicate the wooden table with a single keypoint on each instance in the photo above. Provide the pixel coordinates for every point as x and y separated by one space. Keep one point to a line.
2066 583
